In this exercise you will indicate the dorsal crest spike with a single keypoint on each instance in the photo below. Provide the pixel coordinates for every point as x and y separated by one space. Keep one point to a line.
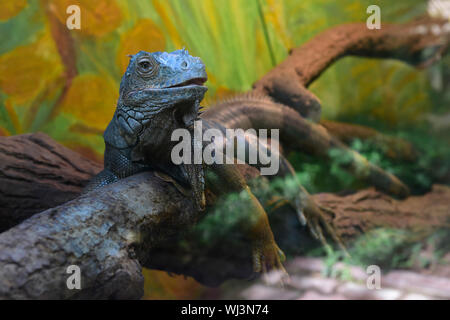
242 97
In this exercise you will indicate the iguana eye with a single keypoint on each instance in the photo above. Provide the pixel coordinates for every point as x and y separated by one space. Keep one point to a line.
147 67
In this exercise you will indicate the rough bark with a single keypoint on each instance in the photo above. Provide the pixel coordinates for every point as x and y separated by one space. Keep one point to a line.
112 232
36 174
106 233
418 43
368 209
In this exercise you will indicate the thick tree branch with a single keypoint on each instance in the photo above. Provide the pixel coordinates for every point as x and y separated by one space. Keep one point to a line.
144 221
106 233
419 43
36 174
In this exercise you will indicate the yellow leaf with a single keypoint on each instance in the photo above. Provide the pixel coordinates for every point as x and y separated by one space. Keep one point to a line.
98 18
92 99
10 8
28 69
145 36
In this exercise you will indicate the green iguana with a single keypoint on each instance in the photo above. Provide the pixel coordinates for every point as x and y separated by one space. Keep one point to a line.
161 92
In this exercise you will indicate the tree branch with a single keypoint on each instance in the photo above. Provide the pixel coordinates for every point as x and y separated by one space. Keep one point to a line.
106 233
393 147
36 174
143 221
419 43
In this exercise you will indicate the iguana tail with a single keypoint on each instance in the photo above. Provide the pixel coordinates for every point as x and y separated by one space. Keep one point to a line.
297 133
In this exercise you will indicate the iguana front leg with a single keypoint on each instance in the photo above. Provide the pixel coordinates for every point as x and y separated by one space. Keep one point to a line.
102 179
117 166
265 251
308 212
266 255
314 213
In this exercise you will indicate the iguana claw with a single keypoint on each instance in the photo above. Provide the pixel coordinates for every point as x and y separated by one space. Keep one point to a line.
267 256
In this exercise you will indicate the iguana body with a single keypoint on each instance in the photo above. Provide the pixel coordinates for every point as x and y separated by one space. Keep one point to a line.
161 92
297 133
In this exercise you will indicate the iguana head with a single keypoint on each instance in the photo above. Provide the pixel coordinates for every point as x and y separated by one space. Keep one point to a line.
161 92
162 73
160 81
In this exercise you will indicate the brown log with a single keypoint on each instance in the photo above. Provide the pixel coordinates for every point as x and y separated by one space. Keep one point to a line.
36 173
419 43
106 233
368 209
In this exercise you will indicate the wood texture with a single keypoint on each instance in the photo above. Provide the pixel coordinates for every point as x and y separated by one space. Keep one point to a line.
36 173
417 43
143 221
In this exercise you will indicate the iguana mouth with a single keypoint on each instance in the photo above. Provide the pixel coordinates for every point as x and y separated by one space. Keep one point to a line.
153 100
190 82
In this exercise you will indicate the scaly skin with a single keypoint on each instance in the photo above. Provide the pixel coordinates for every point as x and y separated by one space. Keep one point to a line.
260 112
161 92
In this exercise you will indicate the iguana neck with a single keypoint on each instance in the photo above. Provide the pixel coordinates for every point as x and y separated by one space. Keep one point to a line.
150 132
154 146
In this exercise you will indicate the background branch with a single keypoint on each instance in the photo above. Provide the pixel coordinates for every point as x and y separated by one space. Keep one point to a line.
418 43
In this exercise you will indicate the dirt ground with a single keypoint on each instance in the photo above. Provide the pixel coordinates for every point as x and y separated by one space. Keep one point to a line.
309 282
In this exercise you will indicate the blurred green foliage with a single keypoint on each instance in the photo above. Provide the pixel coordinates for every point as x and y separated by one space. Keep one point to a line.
391 249
431 166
